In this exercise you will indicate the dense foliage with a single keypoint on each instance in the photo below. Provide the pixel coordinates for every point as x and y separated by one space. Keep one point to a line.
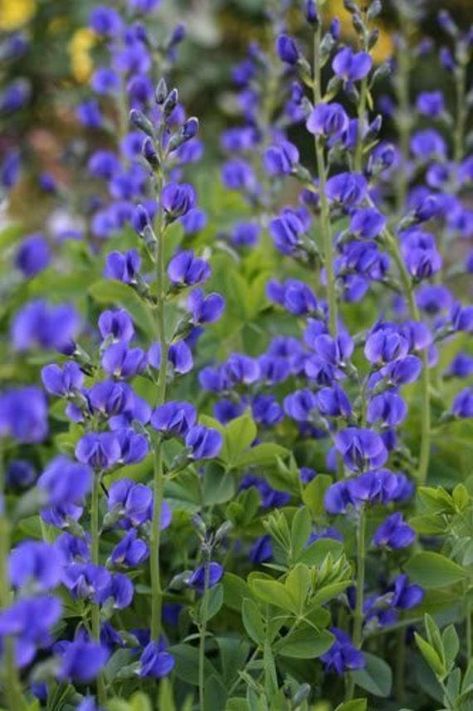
236 401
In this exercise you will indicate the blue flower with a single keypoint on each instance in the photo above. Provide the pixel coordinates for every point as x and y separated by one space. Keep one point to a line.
41 325
463 403
100 450
203 442
121 361
197 579
65 481
131 551
177 199
287 50
348 189
36 563
62 382
281 158
367 223
82 661
287 231
328 120
24 415
131 501
394 533
205 309
388 408
185 269
351 66
404 595
361 448
33 255
123 266
342 655
155 661
174 418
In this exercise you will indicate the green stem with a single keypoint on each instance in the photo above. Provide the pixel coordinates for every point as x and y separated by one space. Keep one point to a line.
404 116
203 634
361 126
406 282
461 113
360 585
327 243
94 545
400 665
158 476
468 630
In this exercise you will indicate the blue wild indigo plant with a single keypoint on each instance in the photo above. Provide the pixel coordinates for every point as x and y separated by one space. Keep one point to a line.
235 472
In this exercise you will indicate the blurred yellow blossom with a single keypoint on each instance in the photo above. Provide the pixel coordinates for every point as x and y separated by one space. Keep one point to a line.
15 13
79 48
383 48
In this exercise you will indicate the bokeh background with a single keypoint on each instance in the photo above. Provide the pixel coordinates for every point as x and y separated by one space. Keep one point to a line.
60 56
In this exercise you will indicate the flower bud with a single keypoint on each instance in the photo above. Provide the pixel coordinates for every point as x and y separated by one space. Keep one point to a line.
139 120
161 92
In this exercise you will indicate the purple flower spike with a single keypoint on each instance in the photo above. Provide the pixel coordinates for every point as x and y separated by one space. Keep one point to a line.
204 442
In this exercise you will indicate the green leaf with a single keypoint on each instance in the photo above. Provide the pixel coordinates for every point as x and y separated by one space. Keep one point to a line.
451 644
353 705
239 435
313 494
316 553
430 655
305 643
218 485
253 621
261 455
187 663
298 584
273 593
432 570
214 602
235 590
376 677
300 531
